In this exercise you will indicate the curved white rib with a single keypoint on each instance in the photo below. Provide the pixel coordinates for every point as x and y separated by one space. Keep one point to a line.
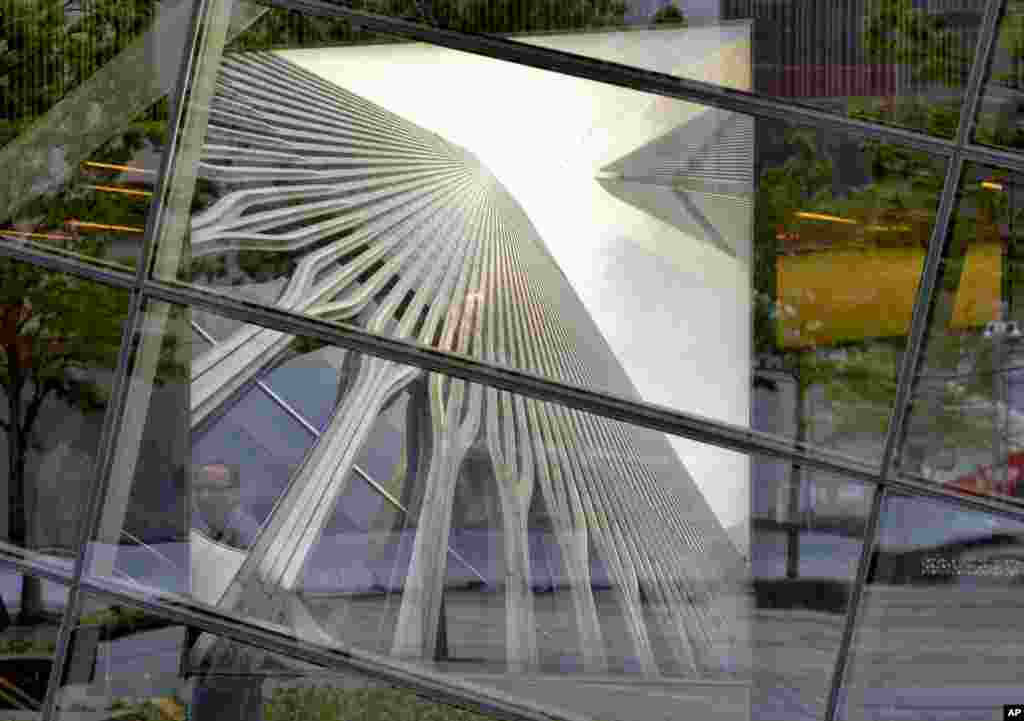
435 250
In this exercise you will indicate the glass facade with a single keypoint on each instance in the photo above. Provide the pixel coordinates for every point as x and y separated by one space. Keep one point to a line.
524 359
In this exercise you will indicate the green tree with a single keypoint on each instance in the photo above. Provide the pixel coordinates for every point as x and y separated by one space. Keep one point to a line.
522 16
55 332
60 335
897 32
59 339
857 375
1011 40
669 15
287 28
43 56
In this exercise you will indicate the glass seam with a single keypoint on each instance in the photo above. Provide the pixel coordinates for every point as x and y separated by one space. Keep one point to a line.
999 157
856 594
35 568
64 264
625 76
926 289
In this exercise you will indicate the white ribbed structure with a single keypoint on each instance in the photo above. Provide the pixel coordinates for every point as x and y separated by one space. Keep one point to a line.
406 234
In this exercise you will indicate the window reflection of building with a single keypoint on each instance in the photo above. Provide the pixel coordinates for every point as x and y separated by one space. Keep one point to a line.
816 50
460 467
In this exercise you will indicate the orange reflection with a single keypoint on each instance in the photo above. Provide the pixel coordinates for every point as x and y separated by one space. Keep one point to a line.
829 218
112 166
989 185
124 191
45 236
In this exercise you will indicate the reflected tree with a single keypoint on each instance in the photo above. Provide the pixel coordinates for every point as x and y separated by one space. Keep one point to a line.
60 337
898 31
669 15
55 331
854 368
47 53
288 29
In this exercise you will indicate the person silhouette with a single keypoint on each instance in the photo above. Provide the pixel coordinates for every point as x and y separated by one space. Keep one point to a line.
217 509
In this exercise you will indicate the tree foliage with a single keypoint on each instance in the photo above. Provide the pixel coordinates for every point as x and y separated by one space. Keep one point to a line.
280 28
669 15
60 335
897 32
858 378
46 54
324 703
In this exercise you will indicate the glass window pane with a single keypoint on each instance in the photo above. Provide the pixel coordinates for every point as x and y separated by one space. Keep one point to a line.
484 535
626 247
61 336
898 62
806 536
30 614
938 631
894 61
125 663
999 121
85 121
965 426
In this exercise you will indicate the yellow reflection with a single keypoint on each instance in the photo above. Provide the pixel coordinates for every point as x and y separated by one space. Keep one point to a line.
829 218
103 226
853 294
989 185
885 228
44 236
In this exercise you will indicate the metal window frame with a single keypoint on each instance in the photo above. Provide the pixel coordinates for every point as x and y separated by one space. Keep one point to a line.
143 289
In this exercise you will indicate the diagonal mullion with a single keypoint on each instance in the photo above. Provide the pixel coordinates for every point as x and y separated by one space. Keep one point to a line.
634 412
638 413
656 83
132 328
606 72
915 341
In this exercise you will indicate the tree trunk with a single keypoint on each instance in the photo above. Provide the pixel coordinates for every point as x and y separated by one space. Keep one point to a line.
792 527
17 511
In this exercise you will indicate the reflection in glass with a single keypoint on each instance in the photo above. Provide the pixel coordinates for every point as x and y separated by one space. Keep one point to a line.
830 214
938 632
966 428
806 536
85 119
342 181
28 639
125 663
474 531
999 120
59 341
899 62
